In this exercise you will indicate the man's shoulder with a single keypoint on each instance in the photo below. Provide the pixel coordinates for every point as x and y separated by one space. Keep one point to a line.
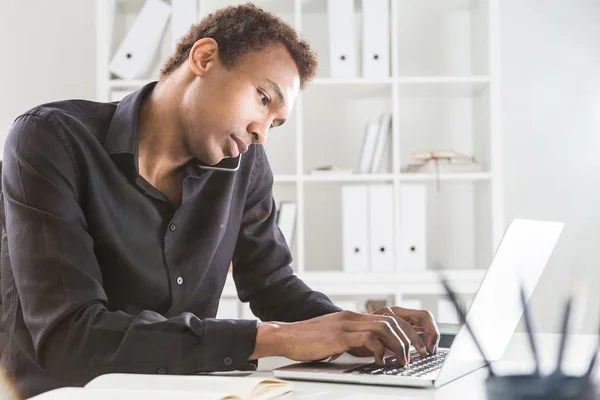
70 119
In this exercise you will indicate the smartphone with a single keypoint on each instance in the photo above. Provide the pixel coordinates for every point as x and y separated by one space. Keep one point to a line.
227 164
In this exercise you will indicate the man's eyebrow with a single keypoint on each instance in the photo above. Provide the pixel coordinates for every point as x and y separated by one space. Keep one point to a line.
277 91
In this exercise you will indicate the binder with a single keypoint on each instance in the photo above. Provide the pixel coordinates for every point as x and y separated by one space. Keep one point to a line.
355 226
413 304
446 312
376 38
383 134
228 309
137 53
342 42
413 219
368 147
286 221
184 15
247 312
381 228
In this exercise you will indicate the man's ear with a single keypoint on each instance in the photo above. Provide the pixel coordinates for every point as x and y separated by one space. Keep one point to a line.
203 56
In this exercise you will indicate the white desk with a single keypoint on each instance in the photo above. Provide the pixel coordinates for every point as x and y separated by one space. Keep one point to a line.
517 359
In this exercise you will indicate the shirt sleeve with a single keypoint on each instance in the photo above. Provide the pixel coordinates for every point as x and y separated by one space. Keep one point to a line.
261 262
59 282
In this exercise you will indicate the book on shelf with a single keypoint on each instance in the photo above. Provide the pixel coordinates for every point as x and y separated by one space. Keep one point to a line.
442 161
330 170
375 144
208 387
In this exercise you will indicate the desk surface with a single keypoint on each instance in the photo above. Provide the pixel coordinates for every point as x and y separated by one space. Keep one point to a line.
517 359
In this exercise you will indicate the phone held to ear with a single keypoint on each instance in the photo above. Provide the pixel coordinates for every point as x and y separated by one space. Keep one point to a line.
227 164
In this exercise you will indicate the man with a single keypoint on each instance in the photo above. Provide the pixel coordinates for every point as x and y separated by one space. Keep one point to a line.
118 235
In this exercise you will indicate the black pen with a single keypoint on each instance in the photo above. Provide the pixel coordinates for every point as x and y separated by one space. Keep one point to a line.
529 328
564 334
463 319
594 357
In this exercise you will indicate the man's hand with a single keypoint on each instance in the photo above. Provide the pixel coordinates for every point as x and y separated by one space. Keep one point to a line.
346 331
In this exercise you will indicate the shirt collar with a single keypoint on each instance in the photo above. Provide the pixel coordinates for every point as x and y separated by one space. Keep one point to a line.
122 136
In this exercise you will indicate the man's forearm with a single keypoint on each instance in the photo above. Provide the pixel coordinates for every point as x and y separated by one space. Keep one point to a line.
269 340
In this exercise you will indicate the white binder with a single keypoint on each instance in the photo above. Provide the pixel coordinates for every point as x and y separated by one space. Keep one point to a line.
137 53
228 309
376 38
446 312
342 42
184 15
368 147
413 220
355 226
381 145
247 312
286 220
381 228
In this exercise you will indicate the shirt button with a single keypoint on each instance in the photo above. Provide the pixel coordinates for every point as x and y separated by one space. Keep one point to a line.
179 280
162 371
172 227
228 361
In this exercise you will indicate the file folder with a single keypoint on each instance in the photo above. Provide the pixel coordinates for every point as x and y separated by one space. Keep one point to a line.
381 228
342 39
383 134
413 219
184 15
376 38
286 221
137 53
228 309
368 147
247 312
355 226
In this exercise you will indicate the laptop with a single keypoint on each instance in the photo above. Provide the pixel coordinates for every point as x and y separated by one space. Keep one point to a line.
493 316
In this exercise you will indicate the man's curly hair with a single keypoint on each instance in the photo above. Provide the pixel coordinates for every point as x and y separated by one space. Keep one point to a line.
242 29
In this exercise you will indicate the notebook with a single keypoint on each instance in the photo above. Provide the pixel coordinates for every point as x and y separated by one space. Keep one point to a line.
208 386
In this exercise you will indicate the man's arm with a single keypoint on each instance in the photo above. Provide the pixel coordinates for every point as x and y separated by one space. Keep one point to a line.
59 282
261 263
264 278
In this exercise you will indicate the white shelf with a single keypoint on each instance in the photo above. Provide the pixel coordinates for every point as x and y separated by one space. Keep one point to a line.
444 91
128 84
465 281
457 176
439 81
407 176
351 81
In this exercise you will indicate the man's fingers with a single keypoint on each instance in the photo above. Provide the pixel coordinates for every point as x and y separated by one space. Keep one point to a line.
392 321
413 336
368 340
385 332
424 319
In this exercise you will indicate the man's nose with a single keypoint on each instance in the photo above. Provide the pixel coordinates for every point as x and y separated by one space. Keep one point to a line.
259 136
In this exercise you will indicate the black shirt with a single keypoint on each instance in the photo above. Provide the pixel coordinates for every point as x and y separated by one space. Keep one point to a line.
101 273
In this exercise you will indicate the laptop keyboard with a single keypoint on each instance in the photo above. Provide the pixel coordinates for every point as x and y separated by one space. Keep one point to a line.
418 366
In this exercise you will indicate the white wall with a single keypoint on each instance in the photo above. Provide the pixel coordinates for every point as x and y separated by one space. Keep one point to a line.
48 53
551 124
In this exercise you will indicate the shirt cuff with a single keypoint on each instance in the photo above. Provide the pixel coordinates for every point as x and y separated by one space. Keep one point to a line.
227 344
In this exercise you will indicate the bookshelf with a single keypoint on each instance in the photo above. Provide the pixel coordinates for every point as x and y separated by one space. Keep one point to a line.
443 92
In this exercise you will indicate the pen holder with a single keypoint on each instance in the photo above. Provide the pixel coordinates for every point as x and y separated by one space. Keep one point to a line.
533 387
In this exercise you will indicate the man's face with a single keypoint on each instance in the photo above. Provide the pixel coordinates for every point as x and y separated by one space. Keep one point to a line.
225 110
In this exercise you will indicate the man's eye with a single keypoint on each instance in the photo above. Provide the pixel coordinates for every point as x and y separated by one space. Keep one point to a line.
263 98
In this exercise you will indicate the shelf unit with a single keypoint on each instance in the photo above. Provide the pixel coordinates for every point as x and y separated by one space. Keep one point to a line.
444 91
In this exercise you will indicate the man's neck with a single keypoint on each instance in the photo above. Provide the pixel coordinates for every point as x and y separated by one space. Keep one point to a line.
161 146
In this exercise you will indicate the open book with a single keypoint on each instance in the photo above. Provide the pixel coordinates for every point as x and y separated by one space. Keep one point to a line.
203 386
